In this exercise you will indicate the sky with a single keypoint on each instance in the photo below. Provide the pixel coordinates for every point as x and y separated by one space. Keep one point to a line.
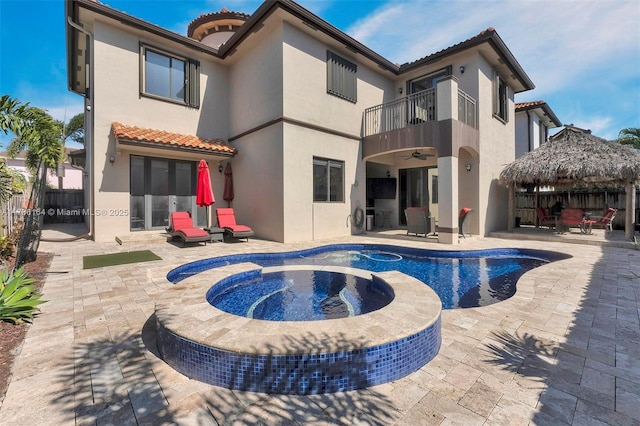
583 56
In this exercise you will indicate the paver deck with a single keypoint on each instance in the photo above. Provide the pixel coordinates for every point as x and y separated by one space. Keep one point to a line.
564 350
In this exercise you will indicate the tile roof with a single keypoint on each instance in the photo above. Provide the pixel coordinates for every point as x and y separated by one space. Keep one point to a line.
480 36
548 112
164 139
527 105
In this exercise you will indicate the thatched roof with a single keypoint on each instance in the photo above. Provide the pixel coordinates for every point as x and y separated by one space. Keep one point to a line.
574 156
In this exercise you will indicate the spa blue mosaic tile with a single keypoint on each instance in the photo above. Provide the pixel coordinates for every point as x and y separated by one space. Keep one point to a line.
302 374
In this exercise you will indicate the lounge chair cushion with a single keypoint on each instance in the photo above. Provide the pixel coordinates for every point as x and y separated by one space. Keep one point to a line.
182 227
227 220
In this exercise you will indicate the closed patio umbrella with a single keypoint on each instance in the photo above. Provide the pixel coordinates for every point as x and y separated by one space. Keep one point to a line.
228 185
204 192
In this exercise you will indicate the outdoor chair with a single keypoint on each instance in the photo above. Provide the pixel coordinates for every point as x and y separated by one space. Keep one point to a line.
464 213
181 226
606 221
544 219
227 221
418 221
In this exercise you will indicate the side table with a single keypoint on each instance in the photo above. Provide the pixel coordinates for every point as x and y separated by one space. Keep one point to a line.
216 234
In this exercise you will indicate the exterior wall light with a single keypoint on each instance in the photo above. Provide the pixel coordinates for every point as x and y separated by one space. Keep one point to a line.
400 90
112 159
461 69
220 168
468 167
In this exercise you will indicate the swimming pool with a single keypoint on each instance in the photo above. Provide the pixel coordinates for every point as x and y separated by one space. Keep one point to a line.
462 279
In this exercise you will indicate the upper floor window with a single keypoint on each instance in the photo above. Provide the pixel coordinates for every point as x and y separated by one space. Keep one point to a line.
428 81
341 77
169 77
328 180
500 98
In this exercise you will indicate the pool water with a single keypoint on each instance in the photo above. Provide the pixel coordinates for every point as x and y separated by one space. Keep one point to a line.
462 279
299 295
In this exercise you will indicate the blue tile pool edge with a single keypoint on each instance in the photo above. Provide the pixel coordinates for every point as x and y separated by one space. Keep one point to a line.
300 374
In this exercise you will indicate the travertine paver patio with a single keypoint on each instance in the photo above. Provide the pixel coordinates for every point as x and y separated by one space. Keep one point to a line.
564 349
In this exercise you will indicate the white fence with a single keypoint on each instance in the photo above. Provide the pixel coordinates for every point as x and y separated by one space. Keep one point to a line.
12 212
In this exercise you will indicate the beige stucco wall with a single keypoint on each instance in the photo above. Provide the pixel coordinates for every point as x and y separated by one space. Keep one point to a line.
305 219
305 85
255 84
259 181
497 149
117 99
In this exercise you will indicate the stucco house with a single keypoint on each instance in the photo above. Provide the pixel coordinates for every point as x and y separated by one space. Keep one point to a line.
316 125
533 121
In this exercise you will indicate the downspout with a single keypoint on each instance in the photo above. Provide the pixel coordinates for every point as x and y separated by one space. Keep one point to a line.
529 130
88 125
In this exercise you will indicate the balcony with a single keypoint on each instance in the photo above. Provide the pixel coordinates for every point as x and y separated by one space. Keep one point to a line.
419 108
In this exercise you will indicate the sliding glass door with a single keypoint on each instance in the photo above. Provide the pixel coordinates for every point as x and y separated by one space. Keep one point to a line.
160 186
418 188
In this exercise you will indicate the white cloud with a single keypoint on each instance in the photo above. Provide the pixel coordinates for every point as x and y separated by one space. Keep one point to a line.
555 41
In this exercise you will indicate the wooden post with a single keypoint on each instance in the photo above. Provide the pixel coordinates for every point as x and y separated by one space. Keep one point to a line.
511 214
630 211
537 205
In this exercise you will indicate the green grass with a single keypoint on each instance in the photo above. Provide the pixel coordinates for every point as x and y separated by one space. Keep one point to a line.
99 261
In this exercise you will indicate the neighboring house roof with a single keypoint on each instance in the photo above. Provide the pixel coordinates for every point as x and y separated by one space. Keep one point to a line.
255 22
544 110
133 135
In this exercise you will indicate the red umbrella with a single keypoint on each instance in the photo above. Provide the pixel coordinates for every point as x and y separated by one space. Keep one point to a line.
228 184
204 193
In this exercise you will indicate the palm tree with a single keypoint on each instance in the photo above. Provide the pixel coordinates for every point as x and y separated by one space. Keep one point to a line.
74 129
630 136
14 117
42 141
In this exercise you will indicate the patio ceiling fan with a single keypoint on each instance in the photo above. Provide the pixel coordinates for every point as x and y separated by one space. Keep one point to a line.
418 155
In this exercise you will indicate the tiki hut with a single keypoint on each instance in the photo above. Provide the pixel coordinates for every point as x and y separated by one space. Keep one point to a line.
575 156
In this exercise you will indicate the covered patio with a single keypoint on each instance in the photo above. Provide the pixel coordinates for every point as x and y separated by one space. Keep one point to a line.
576 157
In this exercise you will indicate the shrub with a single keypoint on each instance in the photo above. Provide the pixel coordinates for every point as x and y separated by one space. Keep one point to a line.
9 242
18 299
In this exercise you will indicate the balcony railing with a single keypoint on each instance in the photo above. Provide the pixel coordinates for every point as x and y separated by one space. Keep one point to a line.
414 109
467 111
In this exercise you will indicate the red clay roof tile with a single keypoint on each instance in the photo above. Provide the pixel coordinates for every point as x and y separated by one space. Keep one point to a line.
526 105
169 139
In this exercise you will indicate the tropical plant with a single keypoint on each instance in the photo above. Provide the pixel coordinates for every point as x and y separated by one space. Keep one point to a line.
6 183
14 115
8 243
630 136
18 299
42 142
74 129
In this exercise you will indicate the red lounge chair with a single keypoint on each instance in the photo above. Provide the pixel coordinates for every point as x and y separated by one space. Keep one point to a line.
544 219
606 221
227 221
181 226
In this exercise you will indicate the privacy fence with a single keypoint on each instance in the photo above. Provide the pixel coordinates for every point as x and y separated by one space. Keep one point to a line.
593 201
